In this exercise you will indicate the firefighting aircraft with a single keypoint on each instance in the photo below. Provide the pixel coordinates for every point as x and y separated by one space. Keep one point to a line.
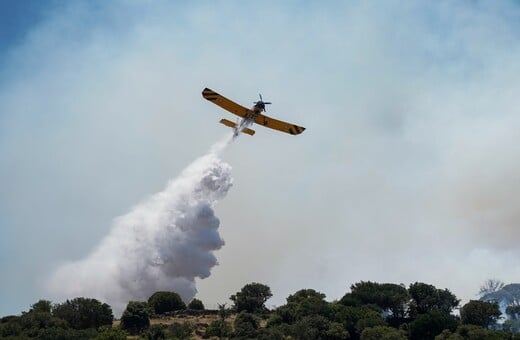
249 116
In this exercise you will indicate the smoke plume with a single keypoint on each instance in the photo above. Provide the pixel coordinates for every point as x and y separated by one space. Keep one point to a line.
163 243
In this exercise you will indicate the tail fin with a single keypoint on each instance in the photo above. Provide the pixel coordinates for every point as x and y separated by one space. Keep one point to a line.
234 126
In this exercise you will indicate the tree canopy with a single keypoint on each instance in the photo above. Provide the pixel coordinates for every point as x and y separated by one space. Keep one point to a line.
163 302
251 298
480 313
136 317
83 313
426 298
370 310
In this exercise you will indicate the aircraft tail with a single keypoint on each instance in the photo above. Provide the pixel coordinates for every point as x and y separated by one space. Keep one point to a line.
234 126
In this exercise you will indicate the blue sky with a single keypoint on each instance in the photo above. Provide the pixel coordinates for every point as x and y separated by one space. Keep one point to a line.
17 18
407 170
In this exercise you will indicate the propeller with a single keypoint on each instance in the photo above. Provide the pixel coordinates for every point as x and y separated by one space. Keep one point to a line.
262 101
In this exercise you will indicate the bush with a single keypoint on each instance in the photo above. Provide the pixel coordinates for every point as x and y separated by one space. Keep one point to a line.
136 317
181 330
246 325
109 333
218 328
382 333
155 332
83 313
196 304
162 302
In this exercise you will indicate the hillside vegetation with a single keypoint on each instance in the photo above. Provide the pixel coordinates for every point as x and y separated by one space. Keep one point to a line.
370 310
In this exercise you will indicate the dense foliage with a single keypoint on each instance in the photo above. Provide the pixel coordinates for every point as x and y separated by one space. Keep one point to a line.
163 302
196 304
79 318
83 313
251 298
368 311
136 317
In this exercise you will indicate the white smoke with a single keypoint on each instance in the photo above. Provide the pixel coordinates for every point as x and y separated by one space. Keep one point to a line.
163 243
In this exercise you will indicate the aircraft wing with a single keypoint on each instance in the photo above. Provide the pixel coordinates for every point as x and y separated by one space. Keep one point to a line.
279 125
225 103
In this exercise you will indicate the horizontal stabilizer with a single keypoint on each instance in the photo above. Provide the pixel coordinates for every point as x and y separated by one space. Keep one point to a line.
234 126
248 131
228 123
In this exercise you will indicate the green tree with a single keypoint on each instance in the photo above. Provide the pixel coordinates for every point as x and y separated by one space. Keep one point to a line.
43 306
34 323
336 331
480 313
306 302
223 311
10 327
428 325
310 328
162 302
391 298
356 319
382 333
246 326
196 304
427 298
136 317
251 298
472 332
83 313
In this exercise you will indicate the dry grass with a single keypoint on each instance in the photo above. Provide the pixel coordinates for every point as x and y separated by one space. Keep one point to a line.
199 322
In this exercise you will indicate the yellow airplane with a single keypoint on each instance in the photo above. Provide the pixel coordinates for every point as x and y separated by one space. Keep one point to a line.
249 116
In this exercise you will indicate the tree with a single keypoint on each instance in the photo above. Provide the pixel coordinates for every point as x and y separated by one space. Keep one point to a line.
310 327
480 313
305 302
43 306
246 326
391 298
305 294
196 304
428 325
136 317
382 333
251 298
490 286
472 332
83 313
162 302
427 298
356 319
223 311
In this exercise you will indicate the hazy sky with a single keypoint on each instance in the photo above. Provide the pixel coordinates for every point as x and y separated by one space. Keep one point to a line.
408 170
